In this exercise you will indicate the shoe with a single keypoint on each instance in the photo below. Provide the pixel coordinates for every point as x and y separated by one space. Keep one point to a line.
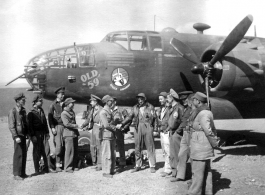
25 176
69 171
164 174
107 175
98 168
176 179
58 169
136 169
76 169
152 170
18 178
51 171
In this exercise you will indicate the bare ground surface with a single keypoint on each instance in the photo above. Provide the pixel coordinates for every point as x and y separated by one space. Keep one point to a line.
236 170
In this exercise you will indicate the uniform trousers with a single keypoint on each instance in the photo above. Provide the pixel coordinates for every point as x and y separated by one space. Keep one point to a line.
120 147
184 155
164 138
108 156
71 153
95 146
144 135
20 157
201 178
41 149
58 138
174 143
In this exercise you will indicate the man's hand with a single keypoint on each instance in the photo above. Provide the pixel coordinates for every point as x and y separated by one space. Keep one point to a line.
18 140
34 139
54 131
118 126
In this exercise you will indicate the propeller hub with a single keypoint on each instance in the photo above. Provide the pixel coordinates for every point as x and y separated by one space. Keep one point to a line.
197 69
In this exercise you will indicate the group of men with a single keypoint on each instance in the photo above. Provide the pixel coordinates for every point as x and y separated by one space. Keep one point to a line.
184 121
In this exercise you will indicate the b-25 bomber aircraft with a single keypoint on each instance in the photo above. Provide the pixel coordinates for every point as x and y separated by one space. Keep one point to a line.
228 69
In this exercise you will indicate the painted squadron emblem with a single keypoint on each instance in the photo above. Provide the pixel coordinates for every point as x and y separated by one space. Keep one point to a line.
120 77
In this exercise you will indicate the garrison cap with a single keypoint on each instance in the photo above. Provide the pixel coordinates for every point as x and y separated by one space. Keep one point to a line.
68 101
107 98
164 94
59 90
36 98
200 96
184 94
94 97
19 96
174 94
141 95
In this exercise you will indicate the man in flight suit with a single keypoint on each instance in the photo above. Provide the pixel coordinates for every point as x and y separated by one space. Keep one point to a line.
39 133
203 140
107 134
175 134
93 122
17 123
145 124
56 125
184 153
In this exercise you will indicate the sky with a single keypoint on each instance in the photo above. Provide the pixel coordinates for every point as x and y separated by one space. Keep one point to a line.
28 27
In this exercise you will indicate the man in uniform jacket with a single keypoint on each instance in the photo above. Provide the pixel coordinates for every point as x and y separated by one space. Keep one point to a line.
93 122
70 135
107 135
17 123
56 125
184 152
145 124
39 133
175 134
163 116
202 144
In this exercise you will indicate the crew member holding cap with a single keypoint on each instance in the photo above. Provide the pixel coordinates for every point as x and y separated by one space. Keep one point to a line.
39 133
70 135
163 116
202 143
175 135
145 123
184 152
56 125
107 135
93 122
17 123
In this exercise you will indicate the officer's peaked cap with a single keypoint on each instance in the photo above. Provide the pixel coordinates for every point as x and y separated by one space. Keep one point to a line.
36 98
141 95
59 90
19 96
107 98
174 94
94 97
200 96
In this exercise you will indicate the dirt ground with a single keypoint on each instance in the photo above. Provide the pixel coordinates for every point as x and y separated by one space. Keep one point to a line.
236 170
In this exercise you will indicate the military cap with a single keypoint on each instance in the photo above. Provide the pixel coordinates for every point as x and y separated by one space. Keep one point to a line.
185 94
141 95
94 97
173 94
19 96
36 98
200 96
68 101
59 90
114 97
164 94
107 98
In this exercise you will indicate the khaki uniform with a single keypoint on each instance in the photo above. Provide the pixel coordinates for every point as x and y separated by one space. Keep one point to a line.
175 135
145 122
38 127
95 144
107 134
17 123
201 153
70 135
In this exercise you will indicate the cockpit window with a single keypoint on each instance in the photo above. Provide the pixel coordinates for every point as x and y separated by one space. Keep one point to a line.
155 43
138 42
70 58
87 56
120 39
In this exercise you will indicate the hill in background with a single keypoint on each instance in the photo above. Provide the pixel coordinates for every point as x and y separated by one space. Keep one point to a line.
7 101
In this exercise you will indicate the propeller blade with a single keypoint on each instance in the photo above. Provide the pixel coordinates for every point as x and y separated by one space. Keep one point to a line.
207 90
232 39
184 50
15 79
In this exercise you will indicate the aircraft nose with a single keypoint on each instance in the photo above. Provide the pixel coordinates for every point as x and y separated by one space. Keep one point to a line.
36 77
